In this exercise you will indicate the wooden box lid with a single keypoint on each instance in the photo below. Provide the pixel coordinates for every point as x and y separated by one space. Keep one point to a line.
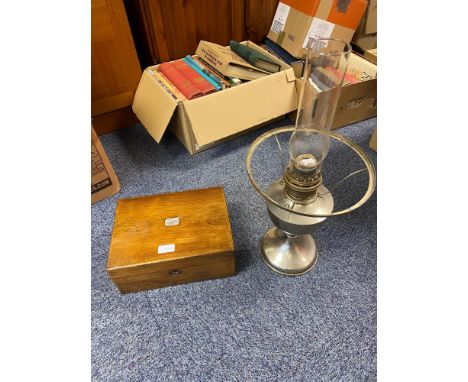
153 233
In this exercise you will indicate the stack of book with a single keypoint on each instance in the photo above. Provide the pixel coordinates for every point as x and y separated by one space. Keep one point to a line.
213 69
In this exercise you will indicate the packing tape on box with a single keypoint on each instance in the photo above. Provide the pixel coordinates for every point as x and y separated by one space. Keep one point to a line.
342 5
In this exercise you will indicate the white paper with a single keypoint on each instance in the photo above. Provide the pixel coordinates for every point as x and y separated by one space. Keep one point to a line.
280 17
318 29
166 248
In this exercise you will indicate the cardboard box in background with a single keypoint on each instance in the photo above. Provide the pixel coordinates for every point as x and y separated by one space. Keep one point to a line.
209 120
371 55
357 101
366 42
297 21
104 182
371 17
365 37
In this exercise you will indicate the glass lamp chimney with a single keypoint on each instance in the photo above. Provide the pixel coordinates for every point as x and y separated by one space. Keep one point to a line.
324 72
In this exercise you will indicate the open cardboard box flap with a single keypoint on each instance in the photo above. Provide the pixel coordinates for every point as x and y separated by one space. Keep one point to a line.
153 106
223 114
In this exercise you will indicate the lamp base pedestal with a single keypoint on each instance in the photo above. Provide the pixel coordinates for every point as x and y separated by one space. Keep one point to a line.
288 254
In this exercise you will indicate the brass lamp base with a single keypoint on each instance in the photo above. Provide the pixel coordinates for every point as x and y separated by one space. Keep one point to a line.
288 254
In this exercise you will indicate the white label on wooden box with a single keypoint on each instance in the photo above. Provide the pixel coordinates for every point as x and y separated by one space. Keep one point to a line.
166 248
169 222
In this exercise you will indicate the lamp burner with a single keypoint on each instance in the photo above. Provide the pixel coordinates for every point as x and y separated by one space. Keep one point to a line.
303 178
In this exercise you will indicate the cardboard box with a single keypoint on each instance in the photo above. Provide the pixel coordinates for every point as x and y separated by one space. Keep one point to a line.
104 182
366 42
371 55
371 17
209 120
170 239
357 101
365 37
297 21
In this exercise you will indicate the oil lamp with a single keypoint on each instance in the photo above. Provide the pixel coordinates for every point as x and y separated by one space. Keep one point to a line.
298 202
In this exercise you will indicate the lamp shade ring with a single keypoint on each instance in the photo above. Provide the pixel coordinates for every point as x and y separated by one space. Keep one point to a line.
358 150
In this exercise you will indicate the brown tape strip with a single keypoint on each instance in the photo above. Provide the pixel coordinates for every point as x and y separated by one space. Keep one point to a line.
342 5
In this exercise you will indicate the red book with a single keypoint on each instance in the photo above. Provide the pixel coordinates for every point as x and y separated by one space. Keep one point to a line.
194 77
186 87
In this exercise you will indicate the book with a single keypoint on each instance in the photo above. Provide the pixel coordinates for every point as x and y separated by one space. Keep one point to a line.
162 83
276 50
179 80
213 80
348 77
212 71
325 78
254 57
168 85
228 81
194 77
227 62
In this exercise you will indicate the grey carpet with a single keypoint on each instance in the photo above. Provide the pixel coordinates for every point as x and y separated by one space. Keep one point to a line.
257 325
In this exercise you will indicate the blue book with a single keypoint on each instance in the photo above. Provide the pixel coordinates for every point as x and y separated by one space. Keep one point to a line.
194 65
296 63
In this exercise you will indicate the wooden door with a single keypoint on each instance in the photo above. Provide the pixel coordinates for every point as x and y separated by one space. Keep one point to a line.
171 29
115 69
258 18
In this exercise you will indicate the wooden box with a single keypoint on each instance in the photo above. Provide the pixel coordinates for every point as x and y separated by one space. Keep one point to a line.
171 239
